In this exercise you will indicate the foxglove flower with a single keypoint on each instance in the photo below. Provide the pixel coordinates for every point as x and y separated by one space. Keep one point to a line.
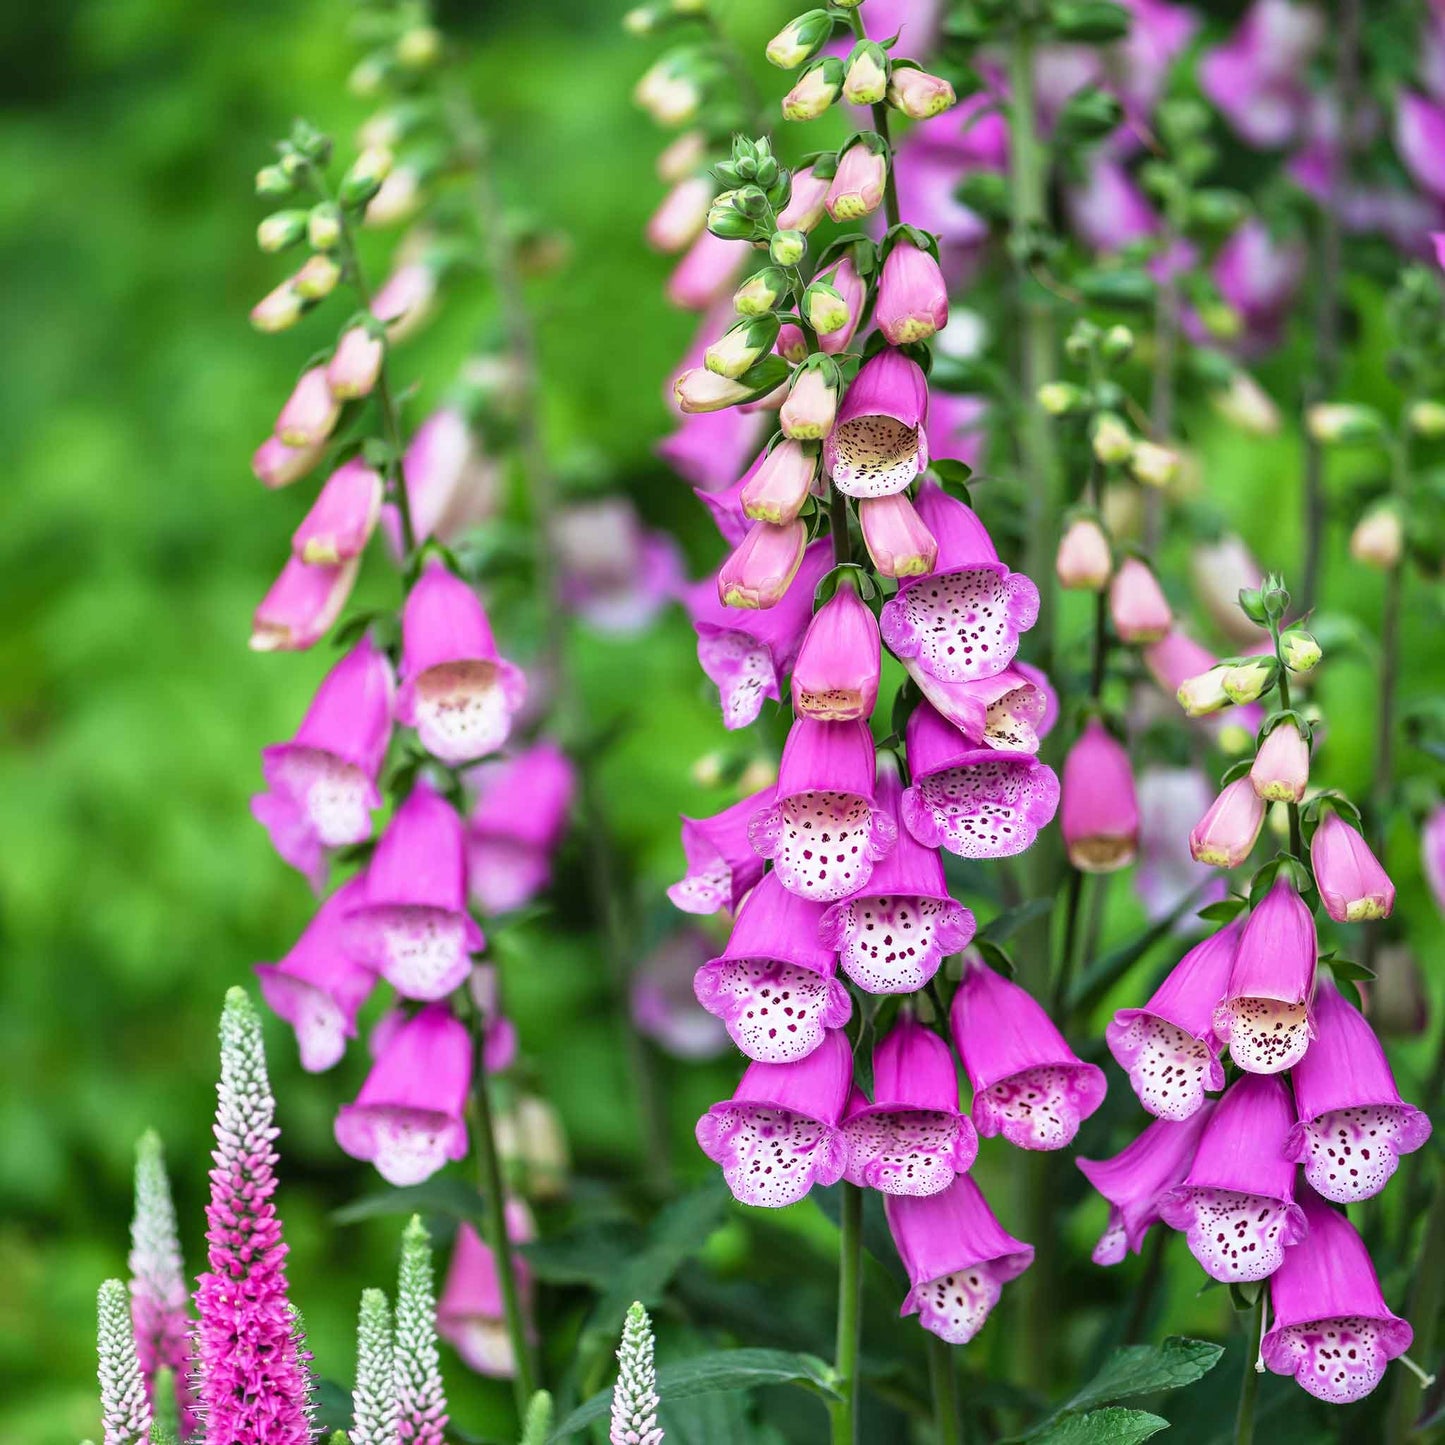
956 427
456 691
680 219
1010 710
778 1135
722 865
893 933
896 538
836 675
615 574
406 300
805 203
1137 1177
911 1139
1353 885
277 465
355 365
1220 570
1084 561
1280 772
1225 836
310 412
374 1406
1170 799
421 1396
1353 1126
125 1411
857 186
707 272
301 605
634 1396
1432 853
1168 1047
846 281
912 296
1028 1084
1108 211
958 1258
774 986
824 831
450 484
1257 277
878 444
518 821
1256 79
341 521
709 449
1332 1329
409 1117
759 571
664 1005
975 802
1100 814
962 621
778 483
470 1313
1137 606
1236 1207
1265 1015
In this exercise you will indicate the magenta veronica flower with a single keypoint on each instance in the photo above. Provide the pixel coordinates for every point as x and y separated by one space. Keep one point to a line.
410 1116
976 802
778 1135
836 675
774 985
1236 1207
895 931
1137 1177
1353 885
958 1257
341 520
470 1314
1332 1329
516 825
1028 1084
1353 1126
963 620
722 865
1100 814
878 443
824 831
1009 711
911 1139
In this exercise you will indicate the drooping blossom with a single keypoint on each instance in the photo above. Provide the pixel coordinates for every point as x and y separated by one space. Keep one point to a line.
616 574
1352 884
1280 772
1099 814
1258 277
1257 79
664 1006
878 443
912 296
1107 209
722 865
340 522
1225 836
710 449
1011 711
836 675
451 485
470 1313
759 572
301 605
513 830
1137 605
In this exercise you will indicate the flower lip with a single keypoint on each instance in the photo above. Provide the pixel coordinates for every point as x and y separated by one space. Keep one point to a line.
878 444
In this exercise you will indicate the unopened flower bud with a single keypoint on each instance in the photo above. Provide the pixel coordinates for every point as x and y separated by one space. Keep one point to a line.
364 177
787 248
857 189
742 346
420 47
1225 836
317 278
1333 423
912 295
280 230
1110 438
918 94
778 489
812 404
1117 343
397 199
1248 681
761 292
701 390
897 538
866 80
273 181
1300 650
1427 419
1353 885
278 309
757 573
1137 605
310 412
1199 696
1059 398
800 39
1246 404
1153 465
1379 538
825 308
355 364
1084 562
815 91
670 96
727 221
683 214
323 226
1281 769
792 344
681 157
805 206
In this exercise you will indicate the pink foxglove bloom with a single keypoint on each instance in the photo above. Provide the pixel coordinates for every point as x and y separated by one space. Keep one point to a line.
410 1116
958 1257
319 988
857 188
1225 836
963 620
450 485
1280 772
456 690
255 1388
811 407
1028 1084
412 924
1108 211
893 933
1177 659
406 300
301 606
277 465
343 517
680 219
824 831
1099 814
912 295
1420 140
895 535
1353 886
805 203
1170 800
778 1135
779 482
1353 1126
707 272
1432 853
516 825
355 365
878 444
911 1139
1168 1047
835 678
1137 1177
709 449
1258 277
722 866
1257 78
919 95
1009 710
1083 561
760 569
665 1008
310 412
1266 1015
956 427
616 575
975 802
1137 605
470 1313
774 986
1332 1329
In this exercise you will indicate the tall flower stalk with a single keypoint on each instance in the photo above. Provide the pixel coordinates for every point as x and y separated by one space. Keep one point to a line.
421 1396
125 1412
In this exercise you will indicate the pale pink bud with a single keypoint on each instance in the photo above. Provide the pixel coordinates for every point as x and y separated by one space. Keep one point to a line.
406 300
912 296
792 345
1099 812
854 291
1220 571
1281 769
812 404
1084 562
1137 604
310 412
805 206
398 199
1379 538
301 606
835 678
918 94
857 189
707 272
355 365
777 490
277 465
278 309
1353 885
681 157
679 220
342 518
896 537
1225 836
762 565
699 389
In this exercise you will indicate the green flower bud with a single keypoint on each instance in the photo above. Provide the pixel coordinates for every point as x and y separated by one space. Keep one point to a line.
273 181
1111 440
866 80
420 47
323 226
742 346
825 308
1118 342
1249 681
363 180
815 92
280 230
800 40
726 221
1299 649
787 248
761 292
317 278
1335 423
1059 398
1204 694
1427 419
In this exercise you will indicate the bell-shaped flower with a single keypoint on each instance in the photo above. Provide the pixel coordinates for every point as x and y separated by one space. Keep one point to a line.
1256 78
878 444
707 272
456 691
1352 884
778 1135
824 831
811 407
342 518
962 621
615 574
1280 772
1099 813
1028 1084
975 802
1225 836
471 1316
897 540
774 986
893 933
1170 799
1353 1126
1011 711
355 365
1137 605
412 926
292 836
663 1005
1236 1206
515 827
1332 1329
805 201
759 571
451 485
301 606
1137 1177
836 676
912 1139
1084 561
1265 1015
852 297
958 1257
857 186
912 296
722 866
1168 1047
406 300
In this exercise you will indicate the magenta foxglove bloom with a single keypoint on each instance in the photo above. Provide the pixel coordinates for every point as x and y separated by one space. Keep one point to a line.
823 830
1236 1207
319 988
748 653
664 1006
292 836
835 678
895 536
412 924
912 296
928 173
710 448
343 517
310 411
679 220
301 606
1353 885
726 506
406 300
1028 1084
1225 836
1258 277
759 571
722 866
1332 1329
878 443
410 1116
518 821
1010 710
1137 1177
958 1257
1099 813
1170 799
1266 1014
456 690
957 427
1168 1047
470 1314
1353 1126
707 272
911 1139
616 575
774 985
1432 853
450 485
976 802
893 933
963 620
778 1135
1420 140
1258 78
277 465
1108 211
1137 605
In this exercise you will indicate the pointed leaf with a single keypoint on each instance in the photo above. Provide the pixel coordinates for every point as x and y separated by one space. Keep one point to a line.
1147 1369
1113 1426
445 1194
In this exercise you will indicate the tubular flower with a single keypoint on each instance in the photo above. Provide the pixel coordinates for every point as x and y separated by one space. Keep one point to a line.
722 866
310 412
301 605
1010 711
878 444
343 517
897 540
1352 883
779 483
761 568
1137 605
912 295
1099 811
1225 836
470 1313
836 675
1281 769
516 825
1084 561
450 484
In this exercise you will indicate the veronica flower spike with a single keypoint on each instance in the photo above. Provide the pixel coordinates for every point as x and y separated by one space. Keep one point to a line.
722 866
878 443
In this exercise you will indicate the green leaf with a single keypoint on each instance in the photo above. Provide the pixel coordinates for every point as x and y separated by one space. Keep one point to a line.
1113 1426
1348 968
1147 1369
1104 973
1226 910
444 1194
333 1406
1117 287
1009 922
589 1254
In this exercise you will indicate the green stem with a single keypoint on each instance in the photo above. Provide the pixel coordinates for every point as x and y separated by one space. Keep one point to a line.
947 1415
1427 1297
1148 1285
1249 1385
1296 836
1161 390
844 1411
1064 972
